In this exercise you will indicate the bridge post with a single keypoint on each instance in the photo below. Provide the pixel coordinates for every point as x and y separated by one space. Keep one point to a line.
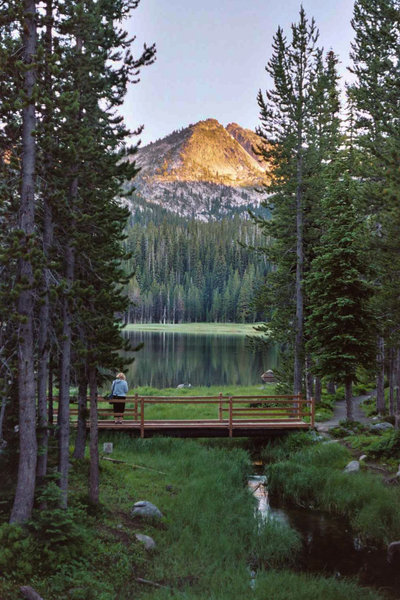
142 417
135 414
220 407
312 412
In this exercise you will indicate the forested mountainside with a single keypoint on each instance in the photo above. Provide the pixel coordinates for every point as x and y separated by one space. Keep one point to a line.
188 270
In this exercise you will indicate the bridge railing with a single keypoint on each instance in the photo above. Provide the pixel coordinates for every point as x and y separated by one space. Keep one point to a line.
228 410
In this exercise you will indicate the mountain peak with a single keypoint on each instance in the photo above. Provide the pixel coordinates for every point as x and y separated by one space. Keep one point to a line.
208 152
205 159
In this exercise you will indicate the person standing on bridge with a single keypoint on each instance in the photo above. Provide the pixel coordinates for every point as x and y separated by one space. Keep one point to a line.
119 390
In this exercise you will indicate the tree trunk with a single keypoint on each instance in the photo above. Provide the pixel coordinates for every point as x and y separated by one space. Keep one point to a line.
392 382
299 321
348 386
65 378
2 415
397 385
318 390
25 491
44 314
44 350
331 388
94 439
380 377
50 393
309 378
80 441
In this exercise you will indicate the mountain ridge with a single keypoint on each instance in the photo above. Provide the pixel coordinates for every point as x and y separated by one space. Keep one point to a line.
203 171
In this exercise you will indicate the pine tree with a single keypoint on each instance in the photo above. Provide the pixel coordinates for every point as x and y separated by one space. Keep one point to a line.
24 495
375 99
339 321
298 122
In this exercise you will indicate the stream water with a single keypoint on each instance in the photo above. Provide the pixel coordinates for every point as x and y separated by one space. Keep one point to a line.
329 545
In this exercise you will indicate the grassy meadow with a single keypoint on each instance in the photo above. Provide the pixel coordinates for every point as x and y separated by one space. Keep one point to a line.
208 542
197 328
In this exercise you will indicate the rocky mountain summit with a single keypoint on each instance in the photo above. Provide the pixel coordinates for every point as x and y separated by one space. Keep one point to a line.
203 171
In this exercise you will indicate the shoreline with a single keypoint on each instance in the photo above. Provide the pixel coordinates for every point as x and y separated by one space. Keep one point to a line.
196 328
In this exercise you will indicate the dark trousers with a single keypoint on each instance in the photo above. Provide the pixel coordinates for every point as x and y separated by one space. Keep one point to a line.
119 407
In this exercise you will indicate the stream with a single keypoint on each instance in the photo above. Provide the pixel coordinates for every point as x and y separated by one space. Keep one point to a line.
329 545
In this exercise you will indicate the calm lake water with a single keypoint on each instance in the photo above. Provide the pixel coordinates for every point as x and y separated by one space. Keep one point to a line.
169 359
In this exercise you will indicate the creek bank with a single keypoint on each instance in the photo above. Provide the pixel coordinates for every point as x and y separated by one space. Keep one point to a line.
346 519
329 546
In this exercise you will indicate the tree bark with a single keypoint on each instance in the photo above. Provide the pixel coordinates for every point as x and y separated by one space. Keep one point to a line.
80 441
25 491
50 393
309 378
380 377
94 439
397 385
318 390
392 380
65 378
299 320
2 415
331 388
44 314
348 386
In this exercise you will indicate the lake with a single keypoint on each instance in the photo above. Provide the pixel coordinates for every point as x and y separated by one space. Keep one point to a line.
170 358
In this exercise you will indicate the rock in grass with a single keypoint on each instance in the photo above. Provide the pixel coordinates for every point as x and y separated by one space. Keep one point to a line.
393 553
381 426
352 467
146 540
146 510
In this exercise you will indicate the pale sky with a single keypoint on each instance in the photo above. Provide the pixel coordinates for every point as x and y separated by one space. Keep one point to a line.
211 57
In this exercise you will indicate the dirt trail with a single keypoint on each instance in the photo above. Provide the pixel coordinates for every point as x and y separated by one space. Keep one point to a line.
339 413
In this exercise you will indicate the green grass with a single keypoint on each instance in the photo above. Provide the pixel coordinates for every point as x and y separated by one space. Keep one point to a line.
207 541
313 477
197 328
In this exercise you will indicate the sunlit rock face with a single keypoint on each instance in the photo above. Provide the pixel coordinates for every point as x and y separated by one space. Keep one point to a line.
203 171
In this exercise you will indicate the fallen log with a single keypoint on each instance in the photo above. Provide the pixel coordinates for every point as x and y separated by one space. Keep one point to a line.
114 460
153 583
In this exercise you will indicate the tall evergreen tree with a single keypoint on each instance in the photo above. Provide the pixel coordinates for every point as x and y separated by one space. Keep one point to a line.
339 322
298 122
24 495
375 97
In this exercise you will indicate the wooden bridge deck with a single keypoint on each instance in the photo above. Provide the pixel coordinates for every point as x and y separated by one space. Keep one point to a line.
222 416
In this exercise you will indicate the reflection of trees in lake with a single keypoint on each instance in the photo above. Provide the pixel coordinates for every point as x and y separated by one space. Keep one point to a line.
168 359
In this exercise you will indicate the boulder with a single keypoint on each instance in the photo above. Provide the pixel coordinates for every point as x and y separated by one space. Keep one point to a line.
384 426
393 553
352 467
146 540
146 510
183 385
362 457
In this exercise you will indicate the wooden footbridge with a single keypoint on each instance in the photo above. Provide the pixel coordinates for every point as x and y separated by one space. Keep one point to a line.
206 416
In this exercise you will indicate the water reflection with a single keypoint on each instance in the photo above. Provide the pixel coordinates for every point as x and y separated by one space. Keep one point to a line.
169 359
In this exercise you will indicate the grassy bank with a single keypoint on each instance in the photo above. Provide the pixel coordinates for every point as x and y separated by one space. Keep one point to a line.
197 328
313 477
207 542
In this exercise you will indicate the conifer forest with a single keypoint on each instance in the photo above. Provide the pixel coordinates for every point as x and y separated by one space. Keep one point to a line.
312 262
